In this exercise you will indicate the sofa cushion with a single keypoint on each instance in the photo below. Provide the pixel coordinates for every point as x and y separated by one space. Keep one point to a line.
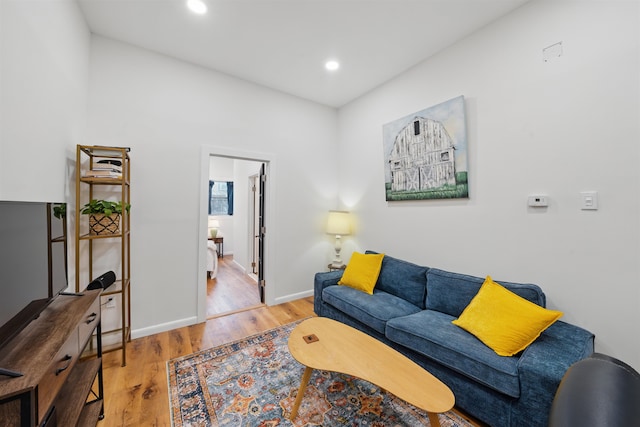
451 293
432 334
403 279
372 310
504 321
362 272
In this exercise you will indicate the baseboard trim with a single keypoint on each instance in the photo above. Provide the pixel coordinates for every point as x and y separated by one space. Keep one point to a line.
163 327
244 270
293 297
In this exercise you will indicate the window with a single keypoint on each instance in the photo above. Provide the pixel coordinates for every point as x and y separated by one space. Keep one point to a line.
416 127
220 198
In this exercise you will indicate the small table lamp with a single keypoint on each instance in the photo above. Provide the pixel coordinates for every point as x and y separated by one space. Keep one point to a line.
339 224
214 224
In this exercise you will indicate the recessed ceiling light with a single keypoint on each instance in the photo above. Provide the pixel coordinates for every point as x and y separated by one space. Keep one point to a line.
197 6
332 65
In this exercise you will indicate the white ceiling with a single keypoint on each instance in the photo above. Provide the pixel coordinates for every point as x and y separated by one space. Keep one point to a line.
283 44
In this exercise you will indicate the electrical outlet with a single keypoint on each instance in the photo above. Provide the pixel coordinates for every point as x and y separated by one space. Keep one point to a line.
538 201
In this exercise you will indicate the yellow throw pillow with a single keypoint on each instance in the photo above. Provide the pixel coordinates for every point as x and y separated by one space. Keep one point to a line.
504 321
362 272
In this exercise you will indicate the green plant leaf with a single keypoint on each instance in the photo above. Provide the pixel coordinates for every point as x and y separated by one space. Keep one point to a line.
105 207
60 211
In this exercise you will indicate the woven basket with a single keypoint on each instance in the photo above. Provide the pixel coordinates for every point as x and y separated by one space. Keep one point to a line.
103 225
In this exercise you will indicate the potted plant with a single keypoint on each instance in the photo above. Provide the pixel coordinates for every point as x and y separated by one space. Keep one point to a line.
104 216
60 210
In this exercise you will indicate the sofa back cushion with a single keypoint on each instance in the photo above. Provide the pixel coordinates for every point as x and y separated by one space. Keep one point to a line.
451 293
403 279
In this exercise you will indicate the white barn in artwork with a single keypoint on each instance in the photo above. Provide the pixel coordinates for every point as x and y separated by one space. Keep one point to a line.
422 157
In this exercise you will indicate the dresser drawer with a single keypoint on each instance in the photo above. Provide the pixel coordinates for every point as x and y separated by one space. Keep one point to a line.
89 322
57 373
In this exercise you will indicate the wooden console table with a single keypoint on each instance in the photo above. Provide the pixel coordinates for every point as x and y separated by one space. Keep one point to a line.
61 385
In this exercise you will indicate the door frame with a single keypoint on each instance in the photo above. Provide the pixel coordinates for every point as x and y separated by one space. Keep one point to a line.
269 160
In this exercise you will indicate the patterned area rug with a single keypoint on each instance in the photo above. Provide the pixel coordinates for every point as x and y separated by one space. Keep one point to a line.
254 382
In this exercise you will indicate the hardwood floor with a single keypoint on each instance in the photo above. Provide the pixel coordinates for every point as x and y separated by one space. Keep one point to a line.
137 394
231 290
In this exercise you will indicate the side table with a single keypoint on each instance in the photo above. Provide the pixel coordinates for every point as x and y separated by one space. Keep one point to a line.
219 241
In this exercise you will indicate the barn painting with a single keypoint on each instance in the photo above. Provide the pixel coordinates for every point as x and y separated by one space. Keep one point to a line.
425 154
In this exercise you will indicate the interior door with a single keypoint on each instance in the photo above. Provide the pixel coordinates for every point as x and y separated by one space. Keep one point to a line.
255 222
261 231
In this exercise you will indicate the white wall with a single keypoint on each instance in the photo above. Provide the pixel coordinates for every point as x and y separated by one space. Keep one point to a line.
43 97
166 110
44 66
553 128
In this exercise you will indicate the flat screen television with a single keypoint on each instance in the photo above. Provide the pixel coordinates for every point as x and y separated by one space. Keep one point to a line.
33 262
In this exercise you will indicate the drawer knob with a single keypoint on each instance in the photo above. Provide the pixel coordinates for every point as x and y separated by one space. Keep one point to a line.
67 358
91 318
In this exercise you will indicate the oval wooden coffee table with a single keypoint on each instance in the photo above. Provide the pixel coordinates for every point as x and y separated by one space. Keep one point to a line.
325 344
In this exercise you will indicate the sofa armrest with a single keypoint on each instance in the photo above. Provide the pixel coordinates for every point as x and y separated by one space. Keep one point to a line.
543 364
321 281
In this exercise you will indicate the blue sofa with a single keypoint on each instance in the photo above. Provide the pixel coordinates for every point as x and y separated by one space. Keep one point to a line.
411 310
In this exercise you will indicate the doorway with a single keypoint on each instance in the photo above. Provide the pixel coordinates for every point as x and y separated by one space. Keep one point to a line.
240 249
235 283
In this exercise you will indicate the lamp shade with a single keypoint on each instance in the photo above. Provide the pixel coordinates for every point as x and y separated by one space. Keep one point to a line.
339 223
214 223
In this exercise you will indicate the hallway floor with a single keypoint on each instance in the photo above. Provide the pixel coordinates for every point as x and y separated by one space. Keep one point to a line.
232 290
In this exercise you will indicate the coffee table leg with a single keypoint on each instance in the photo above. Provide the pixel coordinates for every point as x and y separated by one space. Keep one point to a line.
303 386
433 419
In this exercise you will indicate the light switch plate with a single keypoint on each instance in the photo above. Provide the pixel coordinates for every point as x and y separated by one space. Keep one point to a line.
589 200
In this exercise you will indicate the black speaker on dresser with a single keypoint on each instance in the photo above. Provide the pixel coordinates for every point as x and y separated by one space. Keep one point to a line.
102 282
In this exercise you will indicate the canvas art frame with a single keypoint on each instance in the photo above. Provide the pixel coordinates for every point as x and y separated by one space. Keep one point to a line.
425 154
